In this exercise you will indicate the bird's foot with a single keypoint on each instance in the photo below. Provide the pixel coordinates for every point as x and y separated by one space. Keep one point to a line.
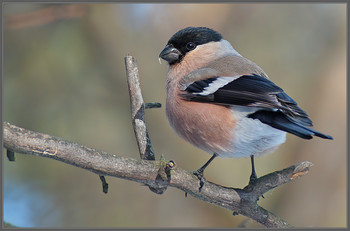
253 178
199 175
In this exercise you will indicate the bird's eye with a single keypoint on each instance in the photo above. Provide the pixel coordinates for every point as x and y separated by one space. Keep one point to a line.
190 46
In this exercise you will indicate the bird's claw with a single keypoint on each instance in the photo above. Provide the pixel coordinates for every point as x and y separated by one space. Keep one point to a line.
253 178
199 175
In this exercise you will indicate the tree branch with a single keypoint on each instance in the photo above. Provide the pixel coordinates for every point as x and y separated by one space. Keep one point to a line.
158 175
242 201
137 106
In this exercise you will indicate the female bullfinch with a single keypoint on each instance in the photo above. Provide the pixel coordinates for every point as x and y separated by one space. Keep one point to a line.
224 103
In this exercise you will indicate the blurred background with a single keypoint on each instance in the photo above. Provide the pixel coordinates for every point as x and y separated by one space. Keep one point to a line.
64 75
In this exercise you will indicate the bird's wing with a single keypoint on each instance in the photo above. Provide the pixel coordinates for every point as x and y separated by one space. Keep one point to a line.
274 106
247 90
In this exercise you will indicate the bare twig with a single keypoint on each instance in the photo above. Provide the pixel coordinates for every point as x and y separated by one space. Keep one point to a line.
138 110
152 105
104 184
138 118
10 155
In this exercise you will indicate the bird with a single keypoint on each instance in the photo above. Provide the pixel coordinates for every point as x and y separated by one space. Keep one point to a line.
225 104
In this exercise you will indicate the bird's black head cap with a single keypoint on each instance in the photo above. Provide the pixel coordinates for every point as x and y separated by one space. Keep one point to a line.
187 39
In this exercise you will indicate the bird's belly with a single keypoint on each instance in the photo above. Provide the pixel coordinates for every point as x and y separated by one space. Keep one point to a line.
205 126
253 137
213 128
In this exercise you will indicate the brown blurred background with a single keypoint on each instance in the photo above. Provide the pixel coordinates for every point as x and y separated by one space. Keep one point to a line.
64 75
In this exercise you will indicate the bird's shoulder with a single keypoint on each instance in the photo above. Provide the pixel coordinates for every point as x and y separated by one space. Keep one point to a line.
232 66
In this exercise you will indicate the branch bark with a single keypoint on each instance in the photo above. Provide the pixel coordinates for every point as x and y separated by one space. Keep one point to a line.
158 175
137 106
242 201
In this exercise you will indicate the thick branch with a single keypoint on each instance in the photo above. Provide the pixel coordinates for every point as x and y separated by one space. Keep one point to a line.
146 172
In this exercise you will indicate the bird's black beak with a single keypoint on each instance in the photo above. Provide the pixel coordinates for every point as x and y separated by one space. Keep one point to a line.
170 54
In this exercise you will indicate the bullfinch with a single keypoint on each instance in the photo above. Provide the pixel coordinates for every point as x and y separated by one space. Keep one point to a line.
224 103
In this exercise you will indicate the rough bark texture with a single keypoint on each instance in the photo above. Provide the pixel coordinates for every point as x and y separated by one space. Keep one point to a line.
138 110
156 174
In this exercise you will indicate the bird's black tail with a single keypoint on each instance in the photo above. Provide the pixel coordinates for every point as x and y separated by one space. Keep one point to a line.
281 121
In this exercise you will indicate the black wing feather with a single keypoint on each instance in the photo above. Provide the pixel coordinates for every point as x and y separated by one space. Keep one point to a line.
199 86
253 83
281 121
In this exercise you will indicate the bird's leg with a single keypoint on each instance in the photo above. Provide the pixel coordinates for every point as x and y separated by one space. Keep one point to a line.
199 172
253 176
